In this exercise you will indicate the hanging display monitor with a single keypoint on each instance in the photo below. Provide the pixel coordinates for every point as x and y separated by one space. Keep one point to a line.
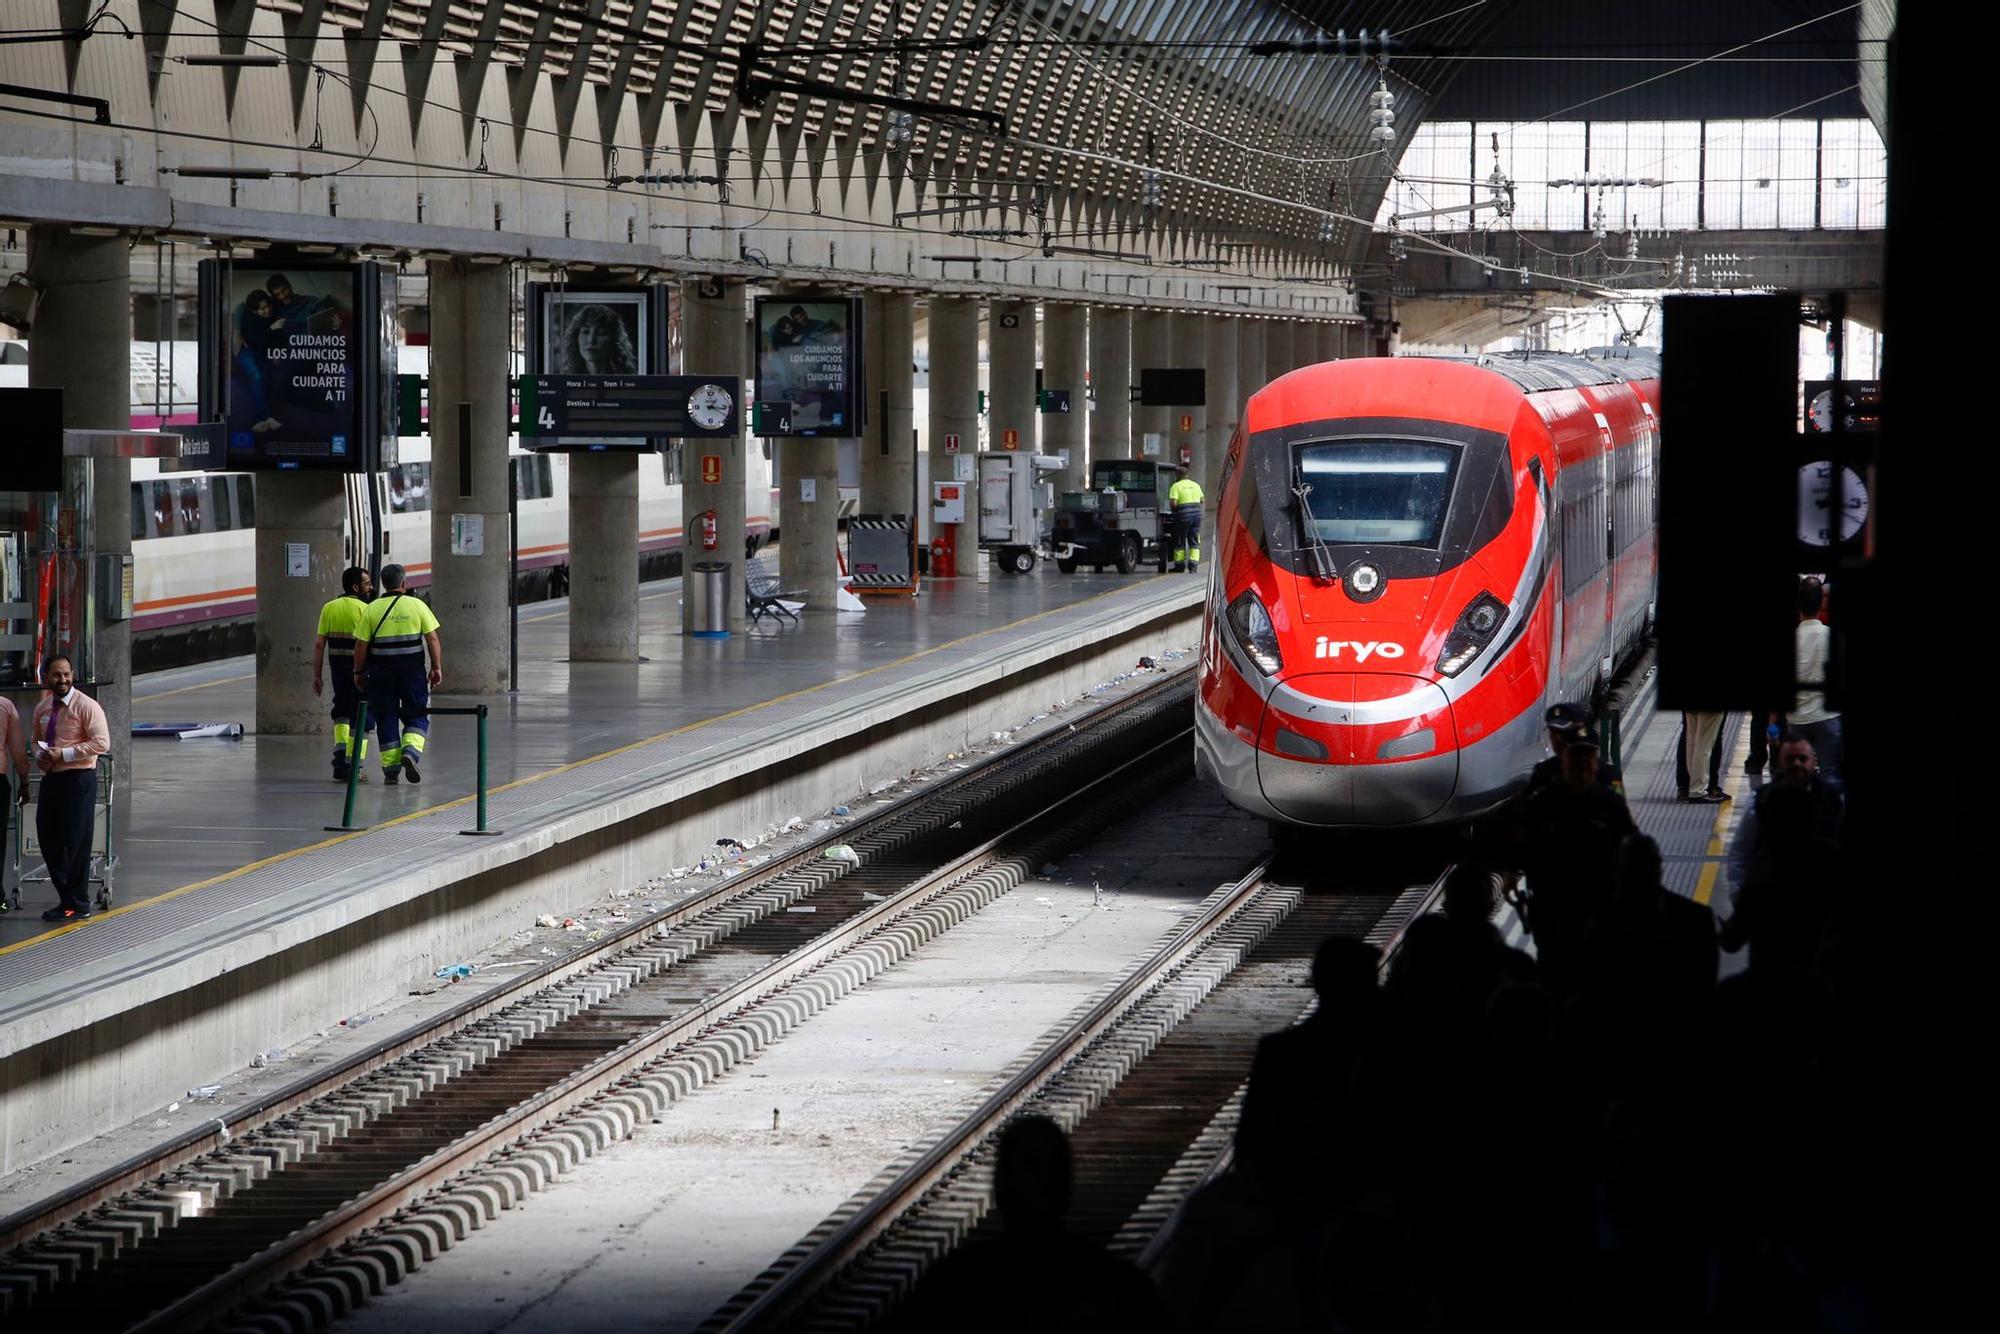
809 365
597 334
298 364
573 407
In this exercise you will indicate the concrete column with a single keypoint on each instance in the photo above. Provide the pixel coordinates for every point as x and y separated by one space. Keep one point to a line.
954 349
1188 423
471 329
295 508
82 343
1063 366
714 340
807 558
889 454
604 568
1111 382
1152 349
1225 403
1010 374
1251 371
1278 349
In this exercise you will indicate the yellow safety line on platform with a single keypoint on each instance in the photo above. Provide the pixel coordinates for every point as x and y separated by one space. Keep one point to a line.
467 799
1725 818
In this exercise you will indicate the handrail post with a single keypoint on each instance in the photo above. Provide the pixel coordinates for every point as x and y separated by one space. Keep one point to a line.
355 749
479 829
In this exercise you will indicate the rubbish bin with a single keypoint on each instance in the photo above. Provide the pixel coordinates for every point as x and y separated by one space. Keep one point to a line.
705 600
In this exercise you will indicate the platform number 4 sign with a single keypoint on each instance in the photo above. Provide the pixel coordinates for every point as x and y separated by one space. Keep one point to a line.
545 418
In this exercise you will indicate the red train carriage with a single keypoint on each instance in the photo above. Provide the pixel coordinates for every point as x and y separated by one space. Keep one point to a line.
1416 556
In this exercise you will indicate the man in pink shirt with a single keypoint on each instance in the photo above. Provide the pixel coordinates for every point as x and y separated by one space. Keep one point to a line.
13 768
68 733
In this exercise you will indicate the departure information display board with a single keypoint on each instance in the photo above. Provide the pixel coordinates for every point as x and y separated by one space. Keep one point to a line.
558 409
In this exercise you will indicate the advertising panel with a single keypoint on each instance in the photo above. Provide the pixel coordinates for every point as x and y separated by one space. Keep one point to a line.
293 366
808 366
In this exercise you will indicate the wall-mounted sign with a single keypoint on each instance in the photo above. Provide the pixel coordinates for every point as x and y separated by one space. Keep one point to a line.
1187 421
808 360
1055 400
1010 439
711 469
298 364
603 332
624 411
951 442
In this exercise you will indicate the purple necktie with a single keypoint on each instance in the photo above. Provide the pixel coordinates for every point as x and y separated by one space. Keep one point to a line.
55 706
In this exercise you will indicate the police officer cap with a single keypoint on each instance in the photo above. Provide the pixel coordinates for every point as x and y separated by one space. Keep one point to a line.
1566 718
1580 743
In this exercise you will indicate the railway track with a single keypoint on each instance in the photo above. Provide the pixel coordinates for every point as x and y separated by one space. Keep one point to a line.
319 1196
1147 1079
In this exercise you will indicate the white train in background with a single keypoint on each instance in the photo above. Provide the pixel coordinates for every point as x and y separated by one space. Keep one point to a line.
194 541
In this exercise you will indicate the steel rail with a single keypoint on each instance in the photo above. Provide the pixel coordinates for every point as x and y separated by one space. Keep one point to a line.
216 1132
222 1294
790 1290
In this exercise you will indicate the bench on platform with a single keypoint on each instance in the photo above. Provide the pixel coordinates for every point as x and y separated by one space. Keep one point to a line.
761 594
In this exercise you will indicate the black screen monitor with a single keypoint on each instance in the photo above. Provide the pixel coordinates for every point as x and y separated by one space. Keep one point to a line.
1169 387
34 420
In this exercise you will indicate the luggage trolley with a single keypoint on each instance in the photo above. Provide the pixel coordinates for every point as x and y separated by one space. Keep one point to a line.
103 839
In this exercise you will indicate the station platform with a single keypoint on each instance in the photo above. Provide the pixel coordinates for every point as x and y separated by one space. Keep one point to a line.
598 772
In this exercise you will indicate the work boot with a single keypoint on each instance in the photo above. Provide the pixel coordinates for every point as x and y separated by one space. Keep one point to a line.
340 769
391 777
410 768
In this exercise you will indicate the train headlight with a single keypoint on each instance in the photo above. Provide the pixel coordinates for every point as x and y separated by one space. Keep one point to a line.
1364 581
1254 632
1477 625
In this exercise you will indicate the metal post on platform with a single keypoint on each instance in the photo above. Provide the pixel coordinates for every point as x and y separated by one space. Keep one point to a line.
355 750
480 829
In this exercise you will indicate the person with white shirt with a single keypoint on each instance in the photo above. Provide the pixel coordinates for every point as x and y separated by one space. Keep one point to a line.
1812 649
69 732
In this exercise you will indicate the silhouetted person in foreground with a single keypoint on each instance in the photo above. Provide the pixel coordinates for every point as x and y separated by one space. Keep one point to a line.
1298 1079
1030 1275
1650 952
1568 833
1792 885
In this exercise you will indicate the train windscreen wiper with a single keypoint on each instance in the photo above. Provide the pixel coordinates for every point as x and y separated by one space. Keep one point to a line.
1324 569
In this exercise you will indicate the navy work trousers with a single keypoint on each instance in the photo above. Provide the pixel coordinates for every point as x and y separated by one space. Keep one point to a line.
65 819
399 701
346 695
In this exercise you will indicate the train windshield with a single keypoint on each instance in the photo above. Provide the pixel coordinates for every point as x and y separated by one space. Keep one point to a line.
1378 490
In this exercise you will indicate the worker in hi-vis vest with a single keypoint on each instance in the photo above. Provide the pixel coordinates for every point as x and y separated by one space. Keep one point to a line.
1185 497
390 643
337 621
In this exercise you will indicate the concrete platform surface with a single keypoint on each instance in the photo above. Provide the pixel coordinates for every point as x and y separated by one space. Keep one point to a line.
223 852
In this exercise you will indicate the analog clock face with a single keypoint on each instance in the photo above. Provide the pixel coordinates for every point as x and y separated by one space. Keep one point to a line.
1821 413
708 407
1833 504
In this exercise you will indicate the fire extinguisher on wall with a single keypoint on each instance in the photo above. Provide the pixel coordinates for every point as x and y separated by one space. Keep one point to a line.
708 534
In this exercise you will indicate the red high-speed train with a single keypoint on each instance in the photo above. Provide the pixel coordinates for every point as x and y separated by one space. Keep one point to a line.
1416 556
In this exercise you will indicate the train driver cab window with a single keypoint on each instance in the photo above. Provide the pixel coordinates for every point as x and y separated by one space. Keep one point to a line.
1395 491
